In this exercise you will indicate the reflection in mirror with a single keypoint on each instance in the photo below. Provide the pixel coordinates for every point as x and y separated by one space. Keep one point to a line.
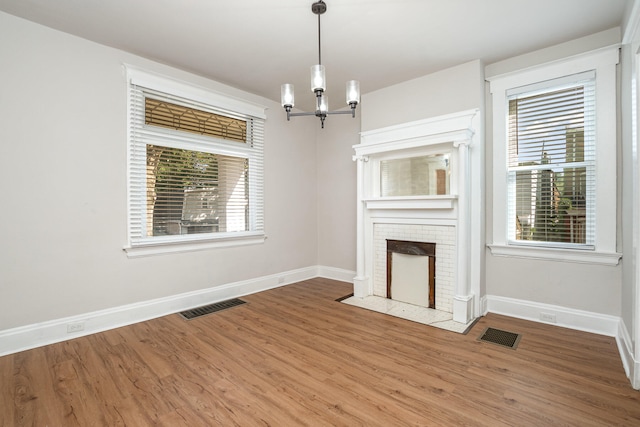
415 176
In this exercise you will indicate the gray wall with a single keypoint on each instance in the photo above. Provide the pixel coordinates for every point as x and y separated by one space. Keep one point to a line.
448 91
63 183
337 191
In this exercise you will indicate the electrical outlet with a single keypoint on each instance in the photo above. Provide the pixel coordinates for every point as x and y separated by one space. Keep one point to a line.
75 327
548 317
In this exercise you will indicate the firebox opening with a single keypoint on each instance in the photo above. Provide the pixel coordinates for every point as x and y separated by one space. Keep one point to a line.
411 272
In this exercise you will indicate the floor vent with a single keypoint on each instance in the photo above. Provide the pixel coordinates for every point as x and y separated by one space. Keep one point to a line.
503 338
211 308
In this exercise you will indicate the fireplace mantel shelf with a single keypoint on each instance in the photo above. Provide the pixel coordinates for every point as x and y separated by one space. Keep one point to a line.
412 202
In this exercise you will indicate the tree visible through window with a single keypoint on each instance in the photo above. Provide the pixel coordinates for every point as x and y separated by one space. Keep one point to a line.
185 192
194 169
191 191
551 164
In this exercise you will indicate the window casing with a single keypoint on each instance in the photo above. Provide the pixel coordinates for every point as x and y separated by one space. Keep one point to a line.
578 173
195 168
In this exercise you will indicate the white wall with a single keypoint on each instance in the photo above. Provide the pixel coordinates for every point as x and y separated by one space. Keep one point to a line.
63 186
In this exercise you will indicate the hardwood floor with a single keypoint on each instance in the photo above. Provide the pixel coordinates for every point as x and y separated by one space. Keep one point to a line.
293 356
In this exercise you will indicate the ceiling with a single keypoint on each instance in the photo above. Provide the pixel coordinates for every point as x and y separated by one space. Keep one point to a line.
257 45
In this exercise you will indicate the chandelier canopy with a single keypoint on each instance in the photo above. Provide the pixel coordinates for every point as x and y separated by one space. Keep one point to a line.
319 84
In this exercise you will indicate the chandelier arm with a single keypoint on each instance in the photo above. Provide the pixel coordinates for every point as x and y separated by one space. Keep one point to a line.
301 114
339 112
352 112
326 113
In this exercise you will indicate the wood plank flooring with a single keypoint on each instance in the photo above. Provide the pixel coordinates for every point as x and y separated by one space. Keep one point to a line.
293 356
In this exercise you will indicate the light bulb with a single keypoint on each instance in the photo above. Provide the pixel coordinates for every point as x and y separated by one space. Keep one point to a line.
323 103
286 95
353 92
318 81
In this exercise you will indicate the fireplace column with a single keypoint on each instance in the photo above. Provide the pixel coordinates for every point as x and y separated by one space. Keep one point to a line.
463 299
361 283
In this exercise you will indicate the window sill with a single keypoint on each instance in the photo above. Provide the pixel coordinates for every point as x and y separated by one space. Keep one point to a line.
150 248
562 255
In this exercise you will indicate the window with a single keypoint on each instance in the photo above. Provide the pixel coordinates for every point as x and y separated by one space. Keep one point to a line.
551 163
554 160
195 167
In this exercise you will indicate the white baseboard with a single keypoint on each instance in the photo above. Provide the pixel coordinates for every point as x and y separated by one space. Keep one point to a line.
39 334
566 317
597 323
625 348
336 273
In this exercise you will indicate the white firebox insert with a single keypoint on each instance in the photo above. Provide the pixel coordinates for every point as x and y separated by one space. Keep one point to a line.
413 185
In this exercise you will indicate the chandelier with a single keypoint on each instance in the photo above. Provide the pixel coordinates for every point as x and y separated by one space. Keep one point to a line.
319 84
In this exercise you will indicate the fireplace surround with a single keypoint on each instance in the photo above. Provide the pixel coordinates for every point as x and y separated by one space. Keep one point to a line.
444 239
432 203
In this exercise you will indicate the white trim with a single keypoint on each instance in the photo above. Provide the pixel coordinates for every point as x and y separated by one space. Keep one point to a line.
604 63
580 320
458 134
570 318
483 304
193 92
168 247
436 130
463 309
53 331
543 86
418 220
336 273
633 24
579 58
625 348
551 254
415 202
632 345
140 82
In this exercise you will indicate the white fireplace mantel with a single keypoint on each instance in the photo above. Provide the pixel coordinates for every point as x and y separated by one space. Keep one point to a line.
456 134
415 202
443 129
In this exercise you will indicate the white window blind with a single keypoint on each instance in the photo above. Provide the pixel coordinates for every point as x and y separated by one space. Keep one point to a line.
195 171
551 163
